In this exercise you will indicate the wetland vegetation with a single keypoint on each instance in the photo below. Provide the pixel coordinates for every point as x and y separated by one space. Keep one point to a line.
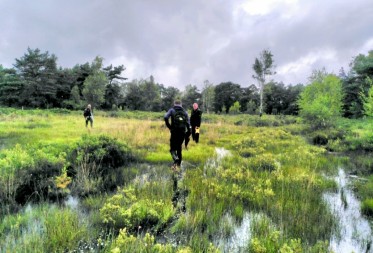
67 188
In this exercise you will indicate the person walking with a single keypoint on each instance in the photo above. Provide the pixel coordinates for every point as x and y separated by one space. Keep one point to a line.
179 129
88 115
195 121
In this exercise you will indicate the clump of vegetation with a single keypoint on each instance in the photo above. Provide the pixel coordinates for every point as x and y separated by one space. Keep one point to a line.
367 207
96 164
126 210
27 174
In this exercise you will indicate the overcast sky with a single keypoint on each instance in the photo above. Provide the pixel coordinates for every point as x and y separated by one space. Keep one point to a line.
183 42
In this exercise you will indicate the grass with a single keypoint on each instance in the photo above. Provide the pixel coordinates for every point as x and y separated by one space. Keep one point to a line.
271 170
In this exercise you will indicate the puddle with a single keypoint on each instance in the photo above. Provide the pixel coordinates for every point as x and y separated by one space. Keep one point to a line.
240 238
354 233
213 162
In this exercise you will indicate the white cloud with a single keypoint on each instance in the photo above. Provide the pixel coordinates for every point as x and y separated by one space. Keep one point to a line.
168 75
368 46
263 7
302 67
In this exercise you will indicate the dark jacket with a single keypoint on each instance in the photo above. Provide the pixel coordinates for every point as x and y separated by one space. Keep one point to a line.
87 112
195 118
171 113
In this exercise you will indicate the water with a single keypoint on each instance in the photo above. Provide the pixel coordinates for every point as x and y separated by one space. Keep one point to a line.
354 233
239 239
241 235
214 162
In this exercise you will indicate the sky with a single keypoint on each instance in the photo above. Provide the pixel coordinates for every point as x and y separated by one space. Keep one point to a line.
190 41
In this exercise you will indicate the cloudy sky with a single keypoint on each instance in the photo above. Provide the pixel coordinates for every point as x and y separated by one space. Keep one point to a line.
189 41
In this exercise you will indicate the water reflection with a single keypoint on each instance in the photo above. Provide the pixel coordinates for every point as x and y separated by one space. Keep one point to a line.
353 233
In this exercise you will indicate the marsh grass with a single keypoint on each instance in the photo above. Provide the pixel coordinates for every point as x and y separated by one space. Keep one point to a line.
272 170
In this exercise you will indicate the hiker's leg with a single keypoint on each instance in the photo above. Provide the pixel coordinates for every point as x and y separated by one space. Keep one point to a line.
197 137
173 147
194 133
180 140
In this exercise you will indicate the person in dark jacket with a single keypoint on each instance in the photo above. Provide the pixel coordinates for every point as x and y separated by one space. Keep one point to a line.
195 121
179 129
88 115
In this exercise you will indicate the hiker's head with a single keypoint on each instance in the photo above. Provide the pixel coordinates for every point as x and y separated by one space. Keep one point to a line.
177 102
89 106
195 106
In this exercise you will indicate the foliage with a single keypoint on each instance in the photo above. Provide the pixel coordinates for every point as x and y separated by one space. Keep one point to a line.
235 109
368 99
263 67
96 162
208 96
190 96
38 71
27 173
63 230
321 102
357 84
269 169
367 207
225 96
94 89
126 210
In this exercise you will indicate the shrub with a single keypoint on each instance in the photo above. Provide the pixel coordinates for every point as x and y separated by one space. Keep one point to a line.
96 162
126 210
27 173
367 207
38 182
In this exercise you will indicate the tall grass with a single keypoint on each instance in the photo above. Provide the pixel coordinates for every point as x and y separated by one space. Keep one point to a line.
271 170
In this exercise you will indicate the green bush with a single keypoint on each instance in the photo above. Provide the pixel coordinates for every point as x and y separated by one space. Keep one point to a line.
27 173
96 164
126 210
367 207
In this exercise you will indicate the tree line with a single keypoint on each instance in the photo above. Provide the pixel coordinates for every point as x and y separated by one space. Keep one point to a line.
35 81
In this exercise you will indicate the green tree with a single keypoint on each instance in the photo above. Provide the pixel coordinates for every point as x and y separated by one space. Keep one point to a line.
10 87
150 95
208 96
168 96
94 88
225 95
356 85
38 71
263 67
191 95
235 108
321 101
249 100
368 99
114 73
133 96
75 101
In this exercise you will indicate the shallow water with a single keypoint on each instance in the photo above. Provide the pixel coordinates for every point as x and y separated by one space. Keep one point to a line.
239 239
354 233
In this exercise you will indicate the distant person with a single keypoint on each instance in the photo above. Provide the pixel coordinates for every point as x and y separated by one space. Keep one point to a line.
195 121
180 130
88 115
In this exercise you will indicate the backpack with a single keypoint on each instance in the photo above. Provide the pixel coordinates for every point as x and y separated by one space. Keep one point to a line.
86 113
179 120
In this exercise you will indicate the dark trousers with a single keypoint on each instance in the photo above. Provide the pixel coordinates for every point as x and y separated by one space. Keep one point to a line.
88 119
176 144
195 135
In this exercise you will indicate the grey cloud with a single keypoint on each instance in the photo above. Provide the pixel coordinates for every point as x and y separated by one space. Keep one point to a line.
210 39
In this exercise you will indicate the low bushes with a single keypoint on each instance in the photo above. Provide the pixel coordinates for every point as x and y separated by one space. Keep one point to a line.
96 164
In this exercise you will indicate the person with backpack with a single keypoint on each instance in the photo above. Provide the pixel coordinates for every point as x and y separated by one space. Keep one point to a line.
195 121
88 115
179 129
